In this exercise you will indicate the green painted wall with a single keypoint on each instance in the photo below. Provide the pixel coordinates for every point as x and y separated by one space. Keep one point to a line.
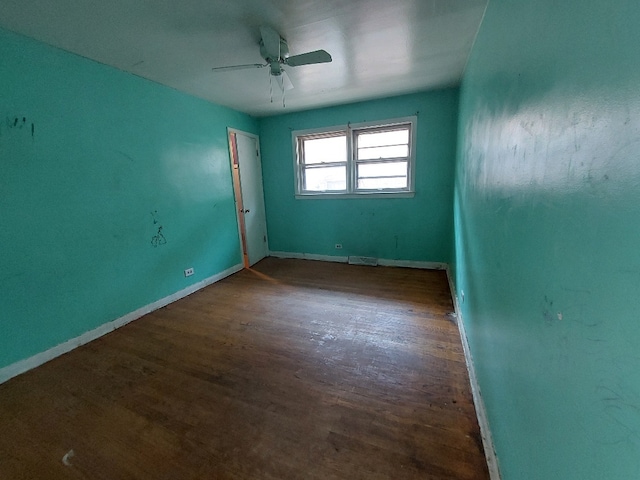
547 215
92 162
418 229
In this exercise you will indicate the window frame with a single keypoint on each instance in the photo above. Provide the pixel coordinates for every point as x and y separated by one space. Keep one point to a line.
351 131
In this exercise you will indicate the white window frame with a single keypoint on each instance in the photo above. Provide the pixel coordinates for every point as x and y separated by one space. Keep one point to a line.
351 130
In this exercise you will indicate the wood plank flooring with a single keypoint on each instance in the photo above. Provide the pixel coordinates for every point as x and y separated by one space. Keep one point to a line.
293 369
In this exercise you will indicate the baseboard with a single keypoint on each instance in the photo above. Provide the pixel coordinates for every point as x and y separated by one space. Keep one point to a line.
481 411
22 366
309 256
381 261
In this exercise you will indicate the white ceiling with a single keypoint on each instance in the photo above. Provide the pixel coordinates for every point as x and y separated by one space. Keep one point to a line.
379 47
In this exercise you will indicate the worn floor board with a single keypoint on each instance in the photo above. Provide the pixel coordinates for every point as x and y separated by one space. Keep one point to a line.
291 370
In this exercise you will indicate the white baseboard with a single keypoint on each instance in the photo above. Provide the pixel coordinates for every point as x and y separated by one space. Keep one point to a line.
22 366
481 411
309 256
381 261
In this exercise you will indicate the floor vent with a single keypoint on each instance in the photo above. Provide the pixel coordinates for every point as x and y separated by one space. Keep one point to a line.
373 262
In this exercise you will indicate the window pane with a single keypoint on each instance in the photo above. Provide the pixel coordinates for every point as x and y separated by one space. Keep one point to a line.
380 155
391 169
382 183
373 153
325 179
325 150
381 139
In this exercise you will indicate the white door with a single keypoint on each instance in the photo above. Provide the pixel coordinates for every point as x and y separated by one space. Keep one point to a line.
250 201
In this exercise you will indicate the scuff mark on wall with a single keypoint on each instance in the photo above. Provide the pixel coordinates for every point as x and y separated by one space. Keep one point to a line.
129 157
546 310
621 407
158 238
17 122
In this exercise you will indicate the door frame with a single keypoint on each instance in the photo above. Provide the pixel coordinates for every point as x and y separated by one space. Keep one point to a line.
237 188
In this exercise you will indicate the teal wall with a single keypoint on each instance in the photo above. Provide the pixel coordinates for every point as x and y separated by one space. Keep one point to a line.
92 162
418 229
547 214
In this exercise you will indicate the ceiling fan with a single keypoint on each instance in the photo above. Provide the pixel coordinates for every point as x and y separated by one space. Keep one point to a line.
275 51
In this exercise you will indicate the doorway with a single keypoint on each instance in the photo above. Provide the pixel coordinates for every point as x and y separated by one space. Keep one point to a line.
246 169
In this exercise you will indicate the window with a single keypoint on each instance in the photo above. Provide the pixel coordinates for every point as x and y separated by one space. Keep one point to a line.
362 159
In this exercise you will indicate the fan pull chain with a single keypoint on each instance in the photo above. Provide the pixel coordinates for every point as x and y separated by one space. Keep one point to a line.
270 88
283 92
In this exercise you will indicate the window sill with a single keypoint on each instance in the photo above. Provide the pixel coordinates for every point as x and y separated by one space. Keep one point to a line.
336 196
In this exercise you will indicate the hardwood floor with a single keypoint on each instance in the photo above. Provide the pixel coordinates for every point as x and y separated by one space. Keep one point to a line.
291 370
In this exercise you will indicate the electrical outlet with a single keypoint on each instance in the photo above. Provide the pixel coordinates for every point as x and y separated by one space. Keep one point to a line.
338 246
188 272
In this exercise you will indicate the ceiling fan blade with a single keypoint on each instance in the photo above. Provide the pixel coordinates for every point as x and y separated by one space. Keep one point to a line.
239 67
286 81
271 42
317 56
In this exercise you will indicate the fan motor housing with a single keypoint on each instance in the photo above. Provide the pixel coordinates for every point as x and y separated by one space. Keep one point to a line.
284 51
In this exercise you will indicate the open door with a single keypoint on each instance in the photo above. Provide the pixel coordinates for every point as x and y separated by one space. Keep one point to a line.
249 195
